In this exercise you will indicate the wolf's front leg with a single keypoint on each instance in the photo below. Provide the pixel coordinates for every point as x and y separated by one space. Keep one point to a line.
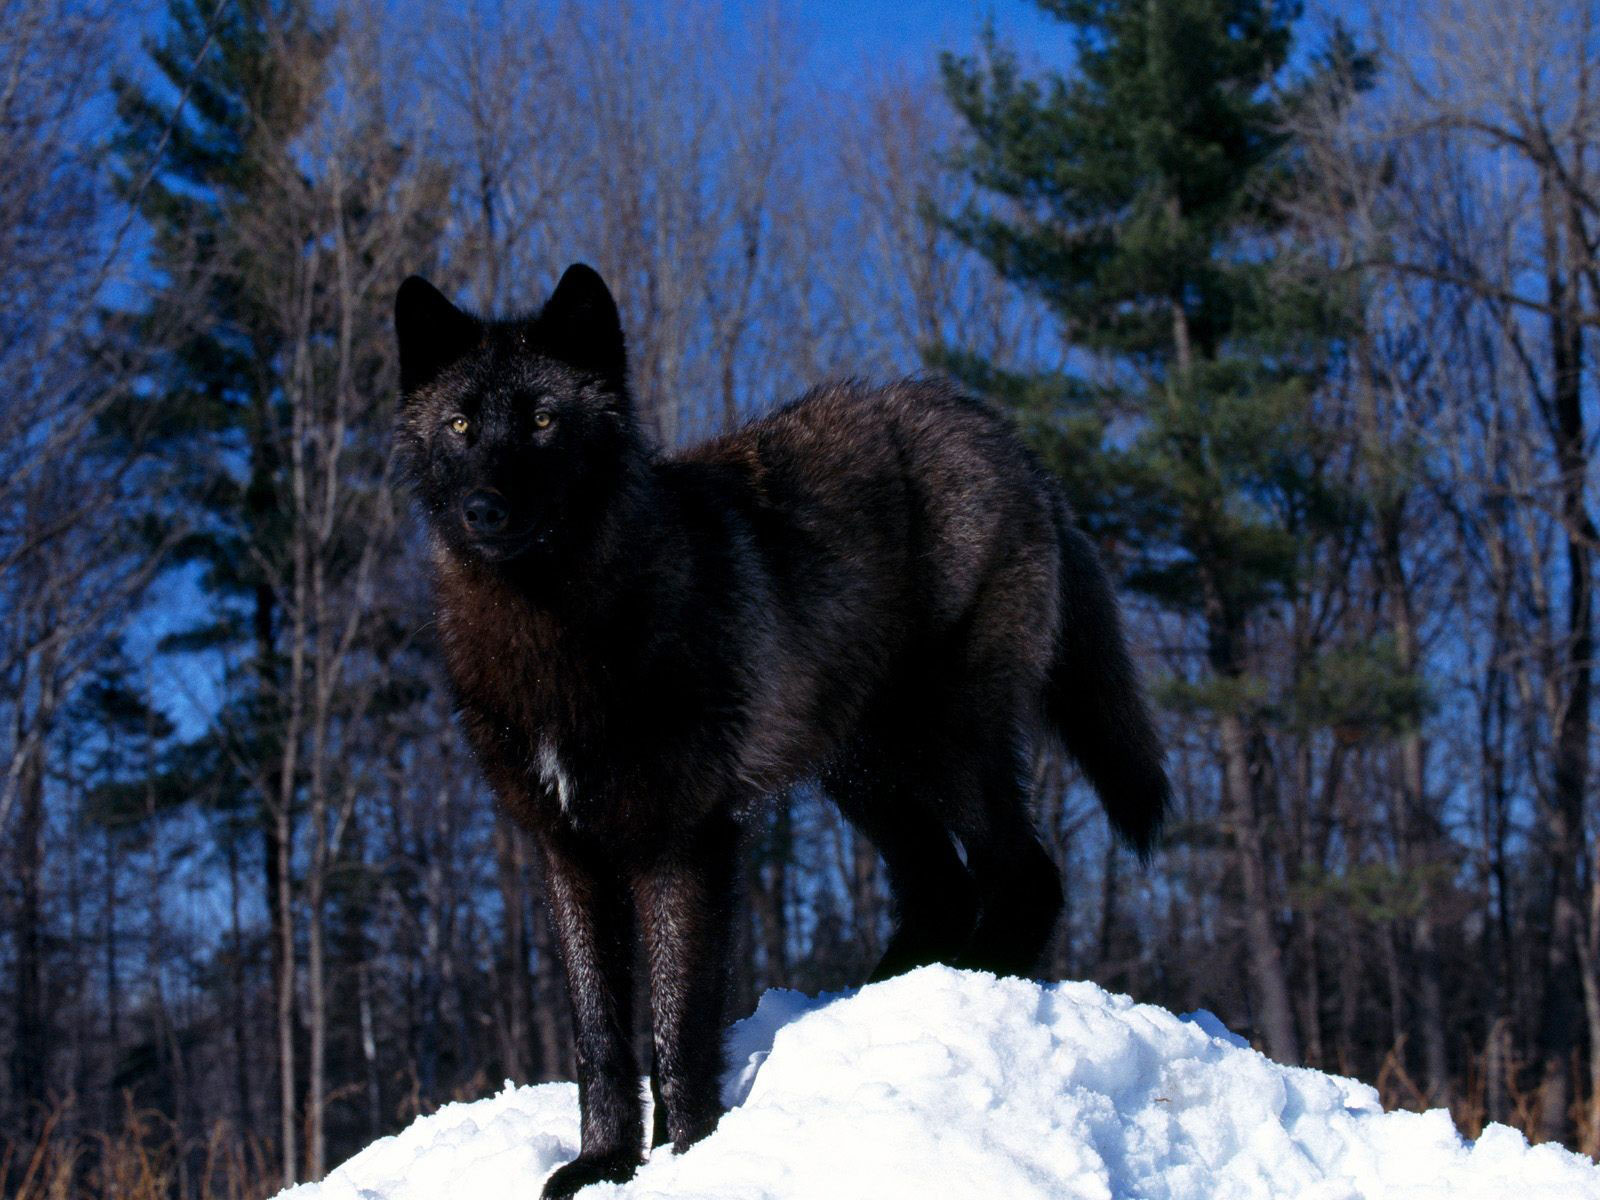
592 909
686 901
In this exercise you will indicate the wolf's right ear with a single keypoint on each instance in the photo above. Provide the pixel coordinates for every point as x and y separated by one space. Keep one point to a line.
579 324
432 332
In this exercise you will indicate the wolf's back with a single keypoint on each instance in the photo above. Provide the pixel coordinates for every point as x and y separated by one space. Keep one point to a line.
915 508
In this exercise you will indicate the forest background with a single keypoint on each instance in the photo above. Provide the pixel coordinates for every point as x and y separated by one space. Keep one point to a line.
1301 307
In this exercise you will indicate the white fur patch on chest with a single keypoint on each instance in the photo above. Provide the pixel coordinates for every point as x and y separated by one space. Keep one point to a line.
552 773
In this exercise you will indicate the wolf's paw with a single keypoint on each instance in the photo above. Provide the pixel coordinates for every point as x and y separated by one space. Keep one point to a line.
586 1169
686 1130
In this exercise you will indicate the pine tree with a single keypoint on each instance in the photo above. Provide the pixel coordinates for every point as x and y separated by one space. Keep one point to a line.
287 203
200 154
1138 196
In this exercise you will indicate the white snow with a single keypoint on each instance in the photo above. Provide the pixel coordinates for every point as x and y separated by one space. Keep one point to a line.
947 1083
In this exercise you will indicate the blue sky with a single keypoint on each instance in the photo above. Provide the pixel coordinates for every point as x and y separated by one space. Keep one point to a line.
914 31
847 34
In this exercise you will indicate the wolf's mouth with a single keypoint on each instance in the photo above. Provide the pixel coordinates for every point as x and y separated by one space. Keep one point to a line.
505 546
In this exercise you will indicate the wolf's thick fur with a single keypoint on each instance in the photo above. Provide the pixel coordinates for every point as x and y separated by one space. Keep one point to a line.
874 587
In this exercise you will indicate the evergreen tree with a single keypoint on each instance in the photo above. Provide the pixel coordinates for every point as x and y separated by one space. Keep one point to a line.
199 155
1139 197
283 209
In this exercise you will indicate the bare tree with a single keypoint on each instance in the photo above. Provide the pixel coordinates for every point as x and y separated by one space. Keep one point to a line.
1514 87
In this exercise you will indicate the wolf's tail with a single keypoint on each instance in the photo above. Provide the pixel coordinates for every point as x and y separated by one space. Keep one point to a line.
1093 699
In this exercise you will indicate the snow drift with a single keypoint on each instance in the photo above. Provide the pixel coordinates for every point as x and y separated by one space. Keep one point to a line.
947 1083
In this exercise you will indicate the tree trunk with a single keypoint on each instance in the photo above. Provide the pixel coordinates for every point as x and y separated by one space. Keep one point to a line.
113 977
1565 811
283 992
1421 840
31 1033
369 1053
241 1038
276 829
317 1018
1272 1004
1107 941
1311 999
1496 1062
1589 965
1421 850
1275 1012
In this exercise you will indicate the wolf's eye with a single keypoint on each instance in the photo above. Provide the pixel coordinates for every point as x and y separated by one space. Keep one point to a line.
459 424
543 419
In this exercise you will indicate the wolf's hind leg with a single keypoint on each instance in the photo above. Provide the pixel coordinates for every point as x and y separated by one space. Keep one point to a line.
1019 885
936 903
658 1109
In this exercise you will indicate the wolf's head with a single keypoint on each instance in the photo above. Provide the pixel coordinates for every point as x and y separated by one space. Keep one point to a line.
517 433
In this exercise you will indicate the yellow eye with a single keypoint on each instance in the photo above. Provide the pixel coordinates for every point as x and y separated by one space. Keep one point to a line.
460 424
543 420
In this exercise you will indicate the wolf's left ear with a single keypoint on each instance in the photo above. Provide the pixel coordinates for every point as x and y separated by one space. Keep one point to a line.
579 323
433 333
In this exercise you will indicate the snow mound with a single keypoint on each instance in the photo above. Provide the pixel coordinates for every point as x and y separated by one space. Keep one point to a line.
946 1083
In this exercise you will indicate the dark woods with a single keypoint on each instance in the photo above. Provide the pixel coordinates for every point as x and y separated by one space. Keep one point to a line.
1300 320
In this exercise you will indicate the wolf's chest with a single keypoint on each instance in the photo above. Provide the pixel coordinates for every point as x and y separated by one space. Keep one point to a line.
543 726
528 703
606 730
554 774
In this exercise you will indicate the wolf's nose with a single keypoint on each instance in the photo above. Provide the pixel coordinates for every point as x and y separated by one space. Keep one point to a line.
485 512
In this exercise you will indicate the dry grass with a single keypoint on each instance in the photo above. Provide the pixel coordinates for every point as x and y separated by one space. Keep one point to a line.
1470 1105
143 1160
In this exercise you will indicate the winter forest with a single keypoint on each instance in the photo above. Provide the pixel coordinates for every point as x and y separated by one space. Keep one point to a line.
1301 305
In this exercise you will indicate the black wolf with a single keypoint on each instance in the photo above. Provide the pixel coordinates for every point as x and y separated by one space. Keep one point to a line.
876 588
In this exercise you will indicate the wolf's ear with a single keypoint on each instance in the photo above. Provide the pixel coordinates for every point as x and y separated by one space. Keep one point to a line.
433 333
579 323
